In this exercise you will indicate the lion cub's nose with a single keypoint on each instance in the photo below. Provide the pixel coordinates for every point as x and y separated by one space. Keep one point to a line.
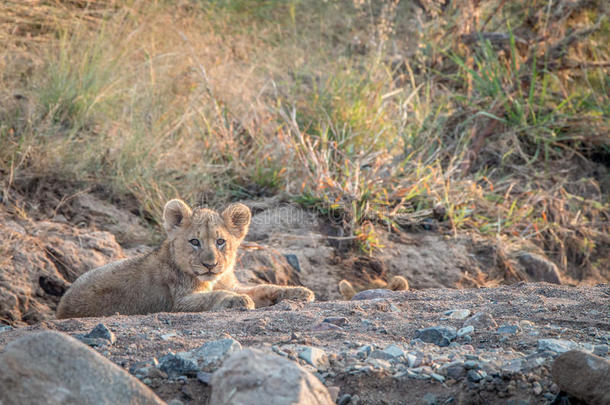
210 266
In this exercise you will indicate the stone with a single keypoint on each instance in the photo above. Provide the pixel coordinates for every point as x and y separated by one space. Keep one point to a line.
345 399
337 320
413 360
364 351
209 356
458 314
556 345
481 321
465 331
508 329
204 377
476 375
583 375
4 328
315 357
429 399
54 368
439 335
101 331
391 352
539 268
601 350
438 377
293 260
176 365
252 376
455 371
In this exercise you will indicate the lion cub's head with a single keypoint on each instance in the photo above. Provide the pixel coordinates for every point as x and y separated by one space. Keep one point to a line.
203 242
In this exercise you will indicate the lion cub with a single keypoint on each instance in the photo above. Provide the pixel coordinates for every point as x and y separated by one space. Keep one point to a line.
191 271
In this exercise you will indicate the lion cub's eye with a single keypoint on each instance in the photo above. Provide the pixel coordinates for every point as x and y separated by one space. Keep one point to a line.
195 242
220 242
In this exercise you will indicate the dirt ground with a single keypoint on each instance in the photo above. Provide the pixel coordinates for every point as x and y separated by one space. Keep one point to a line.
578 314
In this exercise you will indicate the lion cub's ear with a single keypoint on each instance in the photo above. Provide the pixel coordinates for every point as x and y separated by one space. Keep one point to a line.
237 218
175 213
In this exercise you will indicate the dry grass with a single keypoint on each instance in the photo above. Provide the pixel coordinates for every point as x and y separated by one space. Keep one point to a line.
490 115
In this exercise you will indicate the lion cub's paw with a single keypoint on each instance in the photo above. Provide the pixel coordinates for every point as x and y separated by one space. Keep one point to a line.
235 301
297 294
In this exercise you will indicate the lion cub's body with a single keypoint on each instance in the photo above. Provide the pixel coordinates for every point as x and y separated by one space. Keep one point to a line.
191 271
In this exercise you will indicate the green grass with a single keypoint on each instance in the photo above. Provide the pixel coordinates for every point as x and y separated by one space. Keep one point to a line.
360 110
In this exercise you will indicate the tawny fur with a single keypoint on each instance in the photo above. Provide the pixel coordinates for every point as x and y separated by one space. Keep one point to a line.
397 283
192 271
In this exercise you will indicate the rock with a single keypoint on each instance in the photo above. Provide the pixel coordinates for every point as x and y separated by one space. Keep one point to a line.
481 321
583 375
364 351
204 377
345 399
209 356
539 268
556 345
601 350
394 351
455 371
413 360
509 329
476 375
4 328
53 368
465 331
429 399
314 356
293 260
537 388
32 280
101 331
252 376
439 335
372 294
458 314
176 365
438 377
337 320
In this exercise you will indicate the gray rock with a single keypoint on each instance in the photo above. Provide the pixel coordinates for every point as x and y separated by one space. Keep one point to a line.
345 399
465 331
364 351
293 260
391 352
413 360
101 331
54 368
556 345
315 357
539 268
455 371
176 365
209 356
601 350
337 320
372 294
4 328
476 375
481 321
429 399
472 365
584 376
458 314
204 377
509 329
439 335
252 376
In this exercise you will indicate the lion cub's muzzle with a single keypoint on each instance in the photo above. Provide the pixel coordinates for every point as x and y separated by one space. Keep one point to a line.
206 268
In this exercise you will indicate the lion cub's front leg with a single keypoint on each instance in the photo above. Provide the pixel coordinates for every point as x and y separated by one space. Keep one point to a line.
207 301
269 294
